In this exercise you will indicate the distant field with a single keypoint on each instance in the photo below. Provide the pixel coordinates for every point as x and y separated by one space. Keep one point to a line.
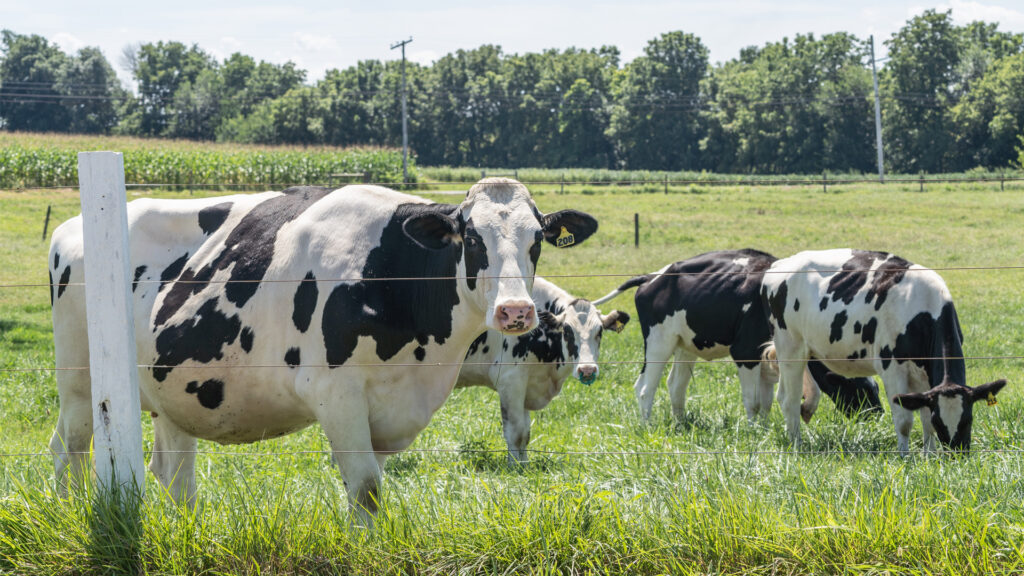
717 508
45 160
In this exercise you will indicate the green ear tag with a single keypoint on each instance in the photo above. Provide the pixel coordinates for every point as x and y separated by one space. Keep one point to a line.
565 239
991 399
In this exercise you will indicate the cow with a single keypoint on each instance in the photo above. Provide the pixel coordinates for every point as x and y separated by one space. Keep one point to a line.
362 300
709 307
863 313
528 370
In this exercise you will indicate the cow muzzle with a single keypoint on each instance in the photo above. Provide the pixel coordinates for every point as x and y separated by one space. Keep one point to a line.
515 317
586 373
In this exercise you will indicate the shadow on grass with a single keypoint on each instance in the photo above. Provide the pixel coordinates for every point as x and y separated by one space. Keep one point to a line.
21 336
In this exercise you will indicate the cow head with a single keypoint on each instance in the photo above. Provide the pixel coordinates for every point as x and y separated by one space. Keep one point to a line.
952 407
501 232
582 326
854 396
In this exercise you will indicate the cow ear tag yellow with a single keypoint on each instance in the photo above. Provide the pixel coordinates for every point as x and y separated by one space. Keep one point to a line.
565 239
991 399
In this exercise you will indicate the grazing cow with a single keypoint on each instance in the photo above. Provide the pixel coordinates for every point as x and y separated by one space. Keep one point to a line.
709 307
327 285
863 313
528 371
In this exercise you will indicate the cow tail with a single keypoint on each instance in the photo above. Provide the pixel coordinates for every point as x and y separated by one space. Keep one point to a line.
627 285
769 356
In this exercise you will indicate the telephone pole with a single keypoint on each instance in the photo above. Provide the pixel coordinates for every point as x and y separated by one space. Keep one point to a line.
405 114
878 113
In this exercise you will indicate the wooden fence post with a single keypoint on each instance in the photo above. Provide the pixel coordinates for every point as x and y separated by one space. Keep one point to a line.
636 230
113 367
46 224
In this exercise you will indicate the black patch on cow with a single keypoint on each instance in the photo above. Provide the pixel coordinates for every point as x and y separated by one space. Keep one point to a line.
476 254
210 393
420 353
836 333
796 304
868 336
245 339
293 357
850 395
856 327
395 312
64 277
171 272
863 352
544 342
888 274
56 261
50 276
200 337
823 304
554 307
504 344
487 349
853 356
476 344
571 348
538 239
305 302
138 274
248 251
935 344
211 217
777 304
847 282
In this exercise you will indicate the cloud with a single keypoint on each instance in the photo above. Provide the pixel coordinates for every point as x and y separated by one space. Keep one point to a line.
970 10
424 57
317 42
67 42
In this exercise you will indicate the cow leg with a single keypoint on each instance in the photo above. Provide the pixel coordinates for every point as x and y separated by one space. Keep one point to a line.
174 460
766 389
752 391
793 356
678 379
811 397
928 430
657 351
345 419
897 382
515 418
73 433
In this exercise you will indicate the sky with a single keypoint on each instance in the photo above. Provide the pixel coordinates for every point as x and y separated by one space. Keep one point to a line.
320 35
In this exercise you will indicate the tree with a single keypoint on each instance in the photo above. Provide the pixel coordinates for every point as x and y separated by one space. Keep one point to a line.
93 92
655 120
160 69
989 119
29 72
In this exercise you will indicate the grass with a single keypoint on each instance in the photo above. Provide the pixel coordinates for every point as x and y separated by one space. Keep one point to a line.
264 509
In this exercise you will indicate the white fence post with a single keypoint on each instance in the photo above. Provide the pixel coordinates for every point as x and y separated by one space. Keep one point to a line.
117 431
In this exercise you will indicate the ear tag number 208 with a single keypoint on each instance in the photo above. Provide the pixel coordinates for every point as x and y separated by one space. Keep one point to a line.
565 239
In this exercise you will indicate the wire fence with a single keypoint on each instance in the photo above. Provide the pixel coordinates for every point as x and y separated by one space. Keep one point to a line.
665 183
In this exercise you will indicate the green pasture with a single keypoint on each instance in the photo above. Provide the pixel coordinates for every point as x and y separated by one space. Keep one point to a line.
714 494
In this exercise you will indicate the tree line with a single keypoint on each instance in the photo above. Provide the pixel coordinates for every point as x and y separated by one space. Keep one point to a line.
952 99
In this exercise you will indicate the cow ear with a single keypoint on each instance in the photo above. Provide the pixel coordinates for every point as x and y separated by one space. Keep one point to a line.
431 230
567 228
549 320
912 401
987 391
615 321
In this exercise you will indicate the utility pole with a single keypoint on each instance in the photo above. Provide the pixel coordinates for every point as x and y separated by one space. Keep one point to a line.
405 114
878 113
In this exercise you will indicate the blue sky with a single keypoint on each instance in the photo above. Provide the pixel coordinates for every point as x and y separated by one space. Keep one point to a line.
320 35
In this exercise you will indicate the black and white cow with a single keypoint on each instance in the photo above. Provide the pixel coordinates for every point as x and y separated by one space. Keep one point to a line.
709 307
323 283
863 313
528 371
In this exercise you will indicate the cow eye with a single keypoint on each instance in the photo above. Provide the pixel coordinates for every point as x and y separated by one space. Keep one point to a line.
471 241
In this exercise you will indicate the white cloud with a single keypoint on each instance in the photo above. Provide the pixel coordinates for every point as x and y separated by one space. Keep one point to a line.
316 42
424 57
67 42
969 11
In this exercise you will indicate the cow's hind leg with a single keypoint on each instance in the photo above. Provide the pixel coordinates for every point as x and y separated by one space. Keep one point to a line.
792 357
174 460
678 380
72 437
657 351
515 418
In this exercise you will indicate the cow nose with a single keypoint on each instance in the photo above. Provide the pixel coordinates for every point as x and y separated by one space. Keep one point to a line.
515 317
586 373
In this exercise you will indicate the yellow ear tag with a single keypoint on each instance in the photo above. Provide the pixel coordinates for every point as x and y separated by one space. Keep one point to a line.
991 399
565 239
618 326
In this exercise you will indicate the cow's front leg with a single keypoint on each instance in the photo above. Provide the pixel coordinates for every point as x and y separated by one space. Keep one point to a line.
928 430
343 412
657 352
174 460
515 418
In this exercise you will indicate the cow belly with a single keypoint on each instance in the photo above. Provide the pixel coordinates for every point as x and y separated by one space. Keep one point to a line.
224 408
